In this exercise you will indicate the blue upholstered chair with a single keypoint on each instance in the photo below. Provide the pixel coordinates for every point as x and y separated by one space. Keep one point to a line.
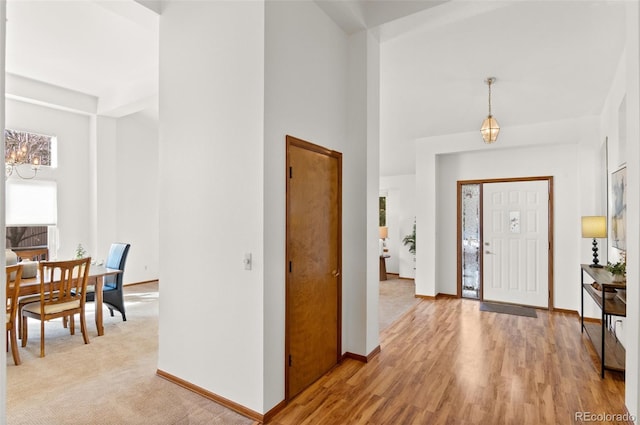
112 290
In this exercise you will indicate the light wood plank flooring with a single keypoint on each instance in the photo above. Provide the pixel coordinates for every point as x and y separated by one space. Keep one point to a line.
446 362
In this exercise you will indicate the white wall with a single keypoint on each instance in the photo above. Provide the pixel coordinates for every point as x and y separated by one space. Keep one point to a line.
314 77
401 213
569 154
104 181
435 175
136 180
216 113
559 161
3 345
109 165
72 173
632 330
305 85
622 128
211 203
614 149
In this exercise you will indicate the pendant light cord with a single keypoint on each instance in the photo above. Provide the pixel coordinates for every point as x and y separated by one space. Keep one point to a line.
489 82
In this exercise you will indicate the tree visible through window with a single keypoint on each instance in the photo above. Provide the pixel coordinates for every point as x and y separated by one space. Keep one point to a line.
27 236
383 211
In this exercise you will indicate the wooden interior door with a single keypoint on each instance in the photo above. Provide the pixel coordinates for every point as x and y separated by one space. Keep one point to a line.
313 250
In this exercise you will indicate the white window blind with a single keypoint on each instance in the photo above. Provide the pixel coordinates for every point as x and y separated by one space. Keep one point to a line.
31 203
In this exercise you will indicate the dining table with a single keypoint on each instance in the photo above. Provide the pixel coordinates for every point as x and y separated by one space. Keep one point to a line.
97 273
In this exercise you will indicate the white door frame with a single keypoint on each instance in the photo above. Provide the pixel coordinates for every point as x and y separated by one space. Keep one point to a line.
549 179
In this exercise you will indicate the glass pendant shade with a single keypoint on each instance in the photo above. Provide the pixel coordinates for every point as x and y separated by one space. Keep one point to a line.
490 130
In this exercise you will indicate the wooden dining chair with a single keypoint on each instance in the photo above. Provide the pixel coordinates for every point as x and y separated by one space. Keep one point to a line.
36 254
14 275
63 285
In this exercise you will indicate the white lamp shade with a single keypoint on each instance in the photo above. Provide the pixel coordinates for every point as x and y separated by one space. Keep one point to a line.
31 203
594 226
490 129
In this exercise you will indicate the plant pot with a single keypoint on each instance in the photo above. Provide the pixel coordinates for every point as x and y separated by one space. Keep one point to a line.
618 278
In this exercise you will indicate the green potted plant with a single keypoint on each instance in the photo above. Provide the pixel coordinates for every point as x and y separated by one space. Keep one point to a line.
618 270
80 251
410 240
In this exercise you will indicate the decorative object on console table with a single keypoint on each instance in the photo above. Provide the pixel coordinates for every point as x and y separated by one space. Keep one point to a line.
594 227
618 271
608 292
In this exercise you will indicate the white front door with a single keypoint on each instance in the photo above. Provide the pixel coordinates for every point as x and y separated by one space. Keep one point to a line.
516 242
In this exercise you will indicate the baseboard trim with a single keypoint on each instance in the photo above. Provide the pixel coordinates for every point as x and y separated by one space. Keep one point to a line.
397 276
274 411
141 283
440 296
562 310
426 297
592 319
244 411
360 357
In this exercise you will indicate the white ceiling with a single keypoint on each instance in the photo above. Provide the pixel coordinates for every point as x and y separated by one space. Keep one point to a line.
552 59
108 49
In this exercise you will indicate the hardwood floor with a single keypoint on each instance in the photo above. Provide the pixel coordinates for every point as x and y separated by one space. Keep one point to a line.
446 362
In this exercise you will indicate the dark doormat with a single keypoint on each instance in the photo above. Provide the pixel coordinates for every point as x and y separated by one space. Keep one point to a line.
516 310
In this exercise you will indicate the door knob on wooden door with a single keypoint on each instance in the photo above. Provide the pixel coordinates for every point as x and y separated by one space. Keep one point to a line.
335 273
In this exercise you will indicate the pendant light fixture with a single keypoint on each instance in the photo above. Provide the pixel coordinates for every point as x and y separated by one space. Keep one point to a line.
490 127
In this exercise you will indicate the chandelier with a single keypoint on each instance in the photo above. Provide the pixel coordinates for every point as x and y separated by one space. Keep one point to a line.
490 127
25 151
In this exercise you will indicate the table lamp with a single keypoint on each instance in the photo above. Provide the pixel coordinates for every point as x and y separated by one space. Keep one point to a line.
594 226
384 234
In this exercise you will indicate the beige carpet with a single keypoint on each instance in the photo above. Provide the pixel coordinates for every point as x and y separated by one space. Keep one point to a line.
112 380
397 296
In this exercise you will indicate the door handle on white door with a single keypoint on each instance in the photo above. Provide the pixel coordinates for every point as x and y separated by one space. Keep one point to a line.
489 252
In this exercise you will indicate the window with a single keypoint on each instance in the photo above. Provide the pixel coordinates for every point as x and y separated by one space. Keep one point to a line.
383 211
27 236
31 206
28 148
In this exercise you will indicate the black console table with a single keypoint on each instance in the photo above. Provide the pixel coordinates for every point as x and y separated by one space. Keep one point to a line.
609 349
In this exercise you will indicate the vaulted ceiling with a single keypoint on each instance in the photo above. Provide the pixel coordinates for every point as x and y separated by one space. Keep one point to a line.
552 59
107 49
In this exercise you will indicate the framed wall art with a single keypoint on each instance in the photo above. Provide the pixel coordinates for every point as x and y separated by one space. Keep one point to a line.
618 225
